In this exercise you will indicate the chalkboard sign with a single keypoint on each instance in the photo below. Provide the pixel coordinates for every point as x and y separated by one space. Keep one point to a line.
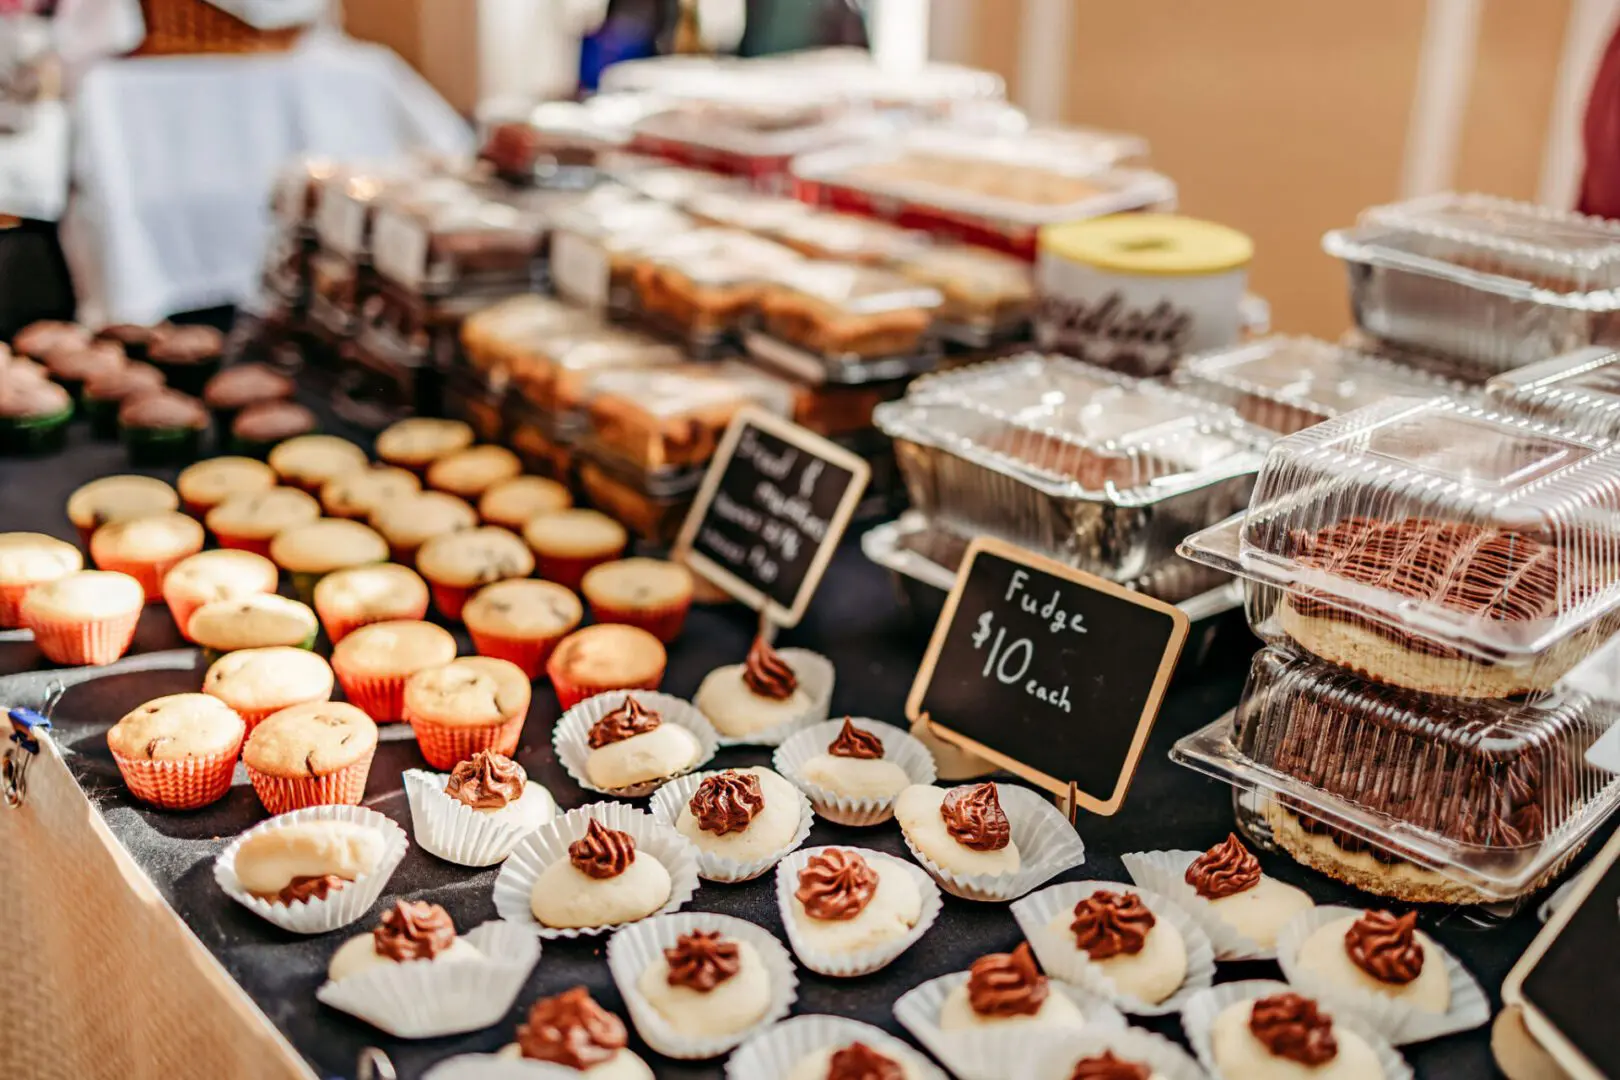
1047 671
769 515
1569 979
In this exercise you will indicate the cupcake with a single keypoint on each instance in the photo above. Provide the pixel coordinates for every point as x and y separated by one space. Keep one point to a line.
211 576
88 617
249 522
188 356
73 366
467 705
604 881
259 429
310 755
471 472
39 339
850 912
571 1030
1285 1034
854 772
521 620
113 498
133 338
477 814
762 699
147 548
742 821
105 393
650 593
358 494
34 415
631 748
255 621
513 503
457 564
164 427
28 559
258 682
374 663
309 552
410 521
348 599
206 484
419 441
568 543
1240 908
238 387
178 752
309 461
601 658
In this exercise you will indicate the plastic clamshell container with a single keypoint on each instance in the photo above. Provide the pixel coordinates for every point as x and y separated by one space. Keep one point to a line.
746 210
350 200
1436 545
1285 384
702 285
456 242
561 366
1409 795
751 140
506 336
1095 469
1490 282
849 237
987 296
845 310
594 242
656 178
1579 390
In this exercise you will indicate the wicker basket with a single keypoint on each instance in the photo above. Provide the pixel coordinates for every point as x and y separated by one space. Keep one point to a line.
195 26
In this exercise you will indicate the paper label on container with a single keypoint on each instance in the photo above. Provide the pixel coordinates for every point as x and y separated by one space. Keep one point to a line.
341 223
399 246
579 269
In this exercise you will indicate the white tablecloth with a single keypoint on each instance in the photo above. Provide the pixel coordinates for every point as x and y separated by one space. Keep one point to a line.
175 158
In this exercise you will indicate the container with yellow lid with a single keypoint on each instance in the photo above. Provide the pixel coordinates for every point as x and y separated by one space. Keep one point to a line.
1133 292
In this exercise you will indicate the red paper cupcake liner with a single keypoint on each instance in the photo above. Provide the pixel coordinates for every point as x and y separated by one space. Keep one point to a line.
570 570
76 642
257 545
179 785
196 509
381 697
11 598
663 623
450 599
405 556
150 573
280 794
571 692
339 626
444 746
530 654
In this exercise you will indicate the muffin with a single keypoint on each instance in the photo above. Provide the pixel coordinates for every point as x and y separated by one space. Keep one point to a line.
1006 990
568 543
471 472
411 931
358 494
309 461
238 387
39 339
260 428
72 366
760 695
601 658
1287 1035
521 620
113 498
604 881
457 564
1228 879
147 548
164 427
348 599
653 594
419 441
178 752
412 520
106 392
34 415
631 745
188 356
258 682
133 338
311 551
374 662
512 504
571 1030
1379 953
206 484
87 617
309 755
28 559
249 522
470 704
256 621
211 576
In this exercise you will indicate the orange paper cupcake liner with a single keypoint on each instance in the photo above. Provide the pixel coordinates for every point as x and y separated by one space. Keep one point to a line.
571 692
663 623
76 642
196 509
530 654
444 746
179 785
381 697
256 544
340 626
570 570
280 794
405 556
11 598
150 573
450 599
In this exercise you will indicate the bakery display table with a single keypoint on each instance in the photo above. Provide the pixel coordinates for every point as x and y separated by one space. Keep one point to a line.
856 620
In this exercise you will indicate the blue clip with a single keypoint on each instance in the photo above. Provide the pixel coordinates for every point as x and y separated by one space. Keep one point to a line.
24 723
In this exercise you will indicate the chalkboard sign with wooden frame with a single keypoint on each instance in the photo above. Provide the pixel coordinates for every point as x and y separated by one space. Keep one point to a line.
1048 672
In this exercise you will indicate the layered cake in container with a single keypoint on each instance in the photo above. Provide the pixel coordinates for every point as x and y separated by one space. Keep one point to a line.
593 242
986 296
1095 469
1579 390
1488 283
448 239
699 288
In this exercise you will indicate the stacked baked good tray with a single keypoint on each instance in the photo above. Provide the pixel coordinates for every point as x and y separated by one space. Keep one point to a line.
1425 573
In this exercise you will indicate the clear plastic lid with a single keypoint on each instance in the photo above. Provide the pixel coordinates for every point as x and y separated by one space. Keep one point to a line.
455 240
719 256
846 236
768 129
746 210
296 196
849 289
1579 390
349 201
506 334
660 180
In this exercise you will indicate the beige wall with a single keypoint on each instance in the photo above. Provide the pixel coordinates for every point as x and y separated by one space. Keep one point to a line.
437 37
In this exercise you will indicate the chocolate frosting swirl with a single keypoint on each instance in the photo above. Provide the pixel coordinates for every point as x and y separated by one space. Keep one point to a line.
1385 946
974 818
1292 1027
726 802
1108 924
1105 1066
1007 984
602 852
767 674
853 742
571 1029
414 930
702 960
857 1061
631 718
487 781
311 888
836 884
1224 870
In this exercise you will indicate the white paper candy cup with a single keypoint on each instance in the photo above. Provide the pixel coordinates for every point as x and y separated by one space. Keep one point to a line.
454 831
666 806
898 747
571 737
1047 846
1061 960
515 883
1057 1060
1165 873
865 961
632 950
773 1053
423 999
816 678
495 1067
340 908
1203 1007
988 1053
1396 1021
